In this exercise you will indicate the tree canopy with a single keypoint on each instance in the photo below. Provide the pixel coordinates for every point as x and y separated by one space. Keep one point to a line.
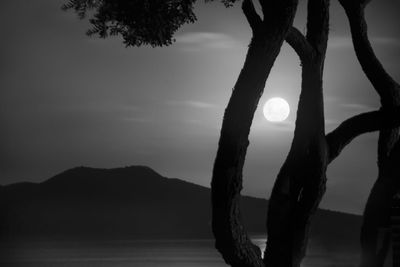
139 22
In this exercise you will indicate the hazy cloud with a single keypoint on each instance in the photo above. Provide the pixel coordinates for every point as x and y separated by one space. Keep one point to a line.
346 42
336 102
206 40
136 119
286 125
190 103
347 110
98 107
357 106
386 41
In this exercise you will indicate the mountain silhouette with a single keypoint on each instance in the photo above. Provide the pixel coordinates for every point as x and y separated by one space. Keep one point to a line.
134 203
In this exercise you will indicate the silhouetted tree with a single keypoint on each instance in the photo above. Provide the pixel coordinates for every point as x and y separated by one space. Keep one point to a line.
300 184
301 181
268 35
377 210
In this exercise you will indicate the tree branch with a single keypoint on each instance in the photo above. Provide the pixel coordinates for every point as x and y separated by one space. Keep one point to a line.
360 124
299 43
375 213
353 4
231 238
386 87
251 14
301 181
318 25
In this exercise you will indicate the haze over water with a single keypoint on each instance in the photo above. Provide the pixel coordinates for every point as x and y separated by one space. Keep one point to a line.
144 253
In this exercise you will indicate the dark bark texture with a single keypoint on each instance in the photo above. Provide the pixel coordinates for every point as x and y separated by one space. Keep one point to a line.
377 210
301 181
231 238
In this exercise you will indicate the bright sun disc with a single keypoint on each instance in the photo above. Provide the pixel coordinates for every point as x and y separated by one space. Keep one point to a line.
276 109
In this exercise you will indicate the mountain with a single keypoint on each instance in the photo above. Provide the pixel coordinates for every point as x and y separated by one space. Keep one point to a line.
134 202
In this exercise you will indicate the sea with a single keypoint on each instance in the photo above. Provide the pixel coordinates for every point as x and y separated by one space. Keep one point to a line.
142 253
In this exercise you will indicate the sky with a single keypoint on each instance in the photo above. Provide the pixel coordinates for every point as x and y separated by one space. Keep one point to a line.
69 100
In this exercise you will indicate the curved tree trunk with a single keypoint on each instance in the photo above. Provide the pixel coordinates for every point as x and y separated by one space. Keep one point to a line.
301 181
377 210
231 238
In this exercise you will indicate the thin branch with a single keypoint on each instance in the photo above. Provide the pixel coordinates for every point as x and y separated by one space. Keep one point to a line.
299 43
251 14
360 124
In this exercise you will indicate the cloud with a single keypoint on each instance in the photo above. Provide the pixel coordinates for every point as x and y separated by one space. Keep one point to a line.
344 111
386 41
198 41
332 101
136 119
286 125
193 104
357 107
346 42
94 107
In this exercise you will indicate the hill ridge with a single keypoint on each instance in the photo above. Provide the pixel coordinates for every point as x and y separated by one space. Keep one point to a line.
133 202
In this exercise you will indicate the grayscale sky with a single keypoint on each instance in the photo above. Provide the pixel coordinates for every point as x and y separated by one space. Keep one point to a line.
68 100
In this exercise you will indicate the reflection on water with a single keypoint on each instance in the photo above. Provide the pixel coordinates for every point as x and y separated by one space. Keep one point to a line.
145 253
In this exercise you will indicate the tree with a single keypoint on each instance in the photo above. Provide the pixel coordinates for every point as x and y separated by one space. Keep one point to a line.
377 210
300 184
301 181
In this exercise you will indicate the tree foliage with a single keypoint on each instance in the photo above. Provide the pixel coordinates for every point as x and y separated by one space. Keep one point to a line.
139 22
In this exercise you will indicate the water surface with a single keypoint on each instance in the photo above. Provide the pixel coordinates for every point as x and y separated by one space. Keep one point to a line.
143 253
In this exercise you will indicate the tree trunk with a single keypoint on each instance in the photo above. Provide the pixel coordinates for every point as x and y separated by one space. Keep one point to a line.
377 210
231 238
300 184
301 181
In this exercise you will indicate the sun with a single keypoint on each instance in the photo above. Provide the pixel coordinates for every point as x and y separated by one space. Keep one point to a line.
276 109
